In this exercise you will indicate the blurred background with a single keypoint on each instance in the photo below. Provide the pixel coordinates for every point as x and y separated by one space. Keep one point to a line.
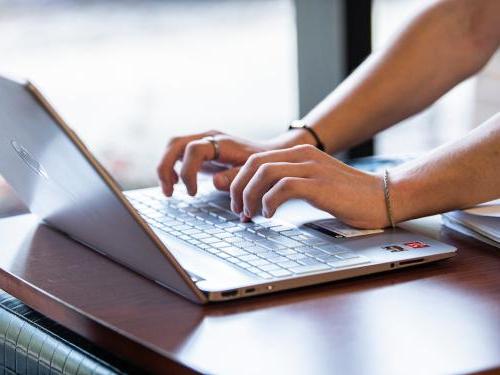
127 75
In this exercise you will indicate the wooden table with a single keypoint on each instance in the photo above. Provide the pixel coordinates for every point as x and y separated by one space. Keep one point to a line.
436 318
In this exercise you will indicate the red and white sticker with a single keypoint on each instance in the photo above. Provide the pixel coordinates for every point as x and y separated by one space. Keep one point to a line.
416 244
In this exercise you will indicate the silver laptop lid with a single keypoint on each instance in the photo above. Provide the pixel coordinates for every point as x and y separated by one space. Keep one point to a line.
60 181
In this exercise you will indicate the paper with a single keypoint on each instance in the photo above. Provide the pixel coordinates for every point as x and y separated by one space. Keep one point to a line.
488 226
491 209
450 222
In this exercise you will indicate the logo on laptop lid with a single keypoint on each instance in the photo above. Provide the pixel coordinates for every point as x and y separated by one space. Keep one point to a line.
29 160
396 248
416 244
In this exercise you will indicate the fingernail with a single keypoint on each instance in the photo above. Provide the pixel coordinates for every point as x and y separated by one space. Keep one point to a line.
234 208
247 212
265 213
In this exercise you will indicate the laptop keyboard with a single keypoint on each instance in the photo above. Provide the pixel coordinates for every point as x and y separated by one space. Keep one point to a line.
267 250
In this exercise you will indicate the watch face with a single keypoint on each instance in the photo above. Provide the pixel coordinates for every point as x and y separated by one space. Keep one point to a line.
298 124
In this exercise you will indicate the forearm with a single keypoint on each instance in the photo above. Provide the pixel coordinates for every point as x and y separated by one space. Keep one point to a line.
457 175
442 46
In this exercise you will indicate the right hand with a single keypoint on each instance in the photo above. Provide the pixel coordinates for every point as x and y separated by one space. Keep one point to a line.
195 152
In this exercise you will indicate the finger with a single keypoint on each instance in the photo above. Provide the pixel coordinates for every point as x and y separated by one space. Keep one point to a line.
165 170
223 180
266 176
294 154
195 154
285 189
175 149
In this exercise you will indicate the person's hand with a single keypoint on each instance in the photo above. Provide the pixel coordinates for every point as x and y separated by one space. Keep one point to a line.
268 179
196 152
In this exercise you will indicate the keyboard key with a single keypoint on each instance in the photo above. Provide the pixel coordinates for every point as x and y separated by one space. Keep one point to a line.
214 230
314 241
233 229
286 252
277 259
311 268
285 241
297 256
270 245
326 257
236 240
280 273
202 225
214 211
254 270
264 275
249 257
245 266
168 221
213 250
223 235
269 255
249 236
289 264
203 216
201 235
282 228
311 251
192 231
291 232
181 228
254 228
268 224
234 251
225 225
258 262
228 216
269 267
213 220
254 249
309 261
330 248
220 245
209 240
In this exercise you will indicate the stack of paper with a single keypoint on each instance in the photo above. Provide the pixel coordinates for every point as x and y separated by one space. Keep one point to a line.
481 222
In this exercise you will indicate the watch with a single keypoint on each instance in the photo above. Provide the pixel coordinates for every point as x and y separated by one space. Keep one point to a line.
301 124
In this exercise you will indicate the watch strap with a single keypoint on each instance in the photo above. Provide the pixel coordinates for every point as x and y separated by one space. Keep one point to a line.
299 124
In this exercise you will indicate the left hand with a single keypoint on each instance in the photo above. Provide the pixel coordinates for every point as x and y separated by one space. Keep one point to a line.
268 179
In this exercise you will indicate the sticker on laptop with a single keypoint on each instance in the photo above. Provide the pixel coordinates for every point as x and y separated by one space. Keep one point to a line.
416 244
394 248
338 229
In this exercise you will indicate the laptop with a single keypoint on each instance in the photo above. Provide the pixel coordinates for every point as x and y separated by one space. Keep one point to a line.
194 246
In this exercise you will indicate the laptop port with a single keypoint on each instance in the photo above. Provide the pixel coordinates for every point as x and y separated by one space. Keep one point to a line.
229 293
412 261
249 290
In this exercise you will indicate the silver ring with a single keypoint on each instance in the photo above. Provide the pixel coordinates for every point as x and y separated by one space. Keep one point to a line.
215 144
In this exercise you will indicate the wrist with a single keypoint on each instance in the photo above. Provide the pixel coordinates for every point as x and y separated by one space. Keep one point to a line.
290 139
403 192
